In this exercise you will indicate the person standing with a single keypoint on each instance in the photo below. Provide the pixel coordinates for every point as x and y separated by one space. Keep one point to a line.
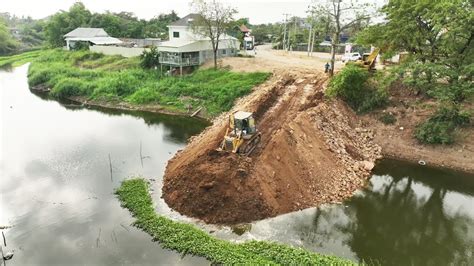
326 67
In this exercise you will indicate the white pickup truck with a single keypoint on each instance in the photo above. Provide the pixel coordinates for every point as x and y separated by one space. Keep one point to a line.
351 57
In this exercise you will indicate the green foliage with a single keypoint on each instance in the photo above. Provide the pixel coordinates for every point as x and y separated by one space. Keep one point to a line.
30 30
67 87
187 239
102 77
19 59
150 59
123 24
439 129
353 86
80 46
8 44
387 118
438 36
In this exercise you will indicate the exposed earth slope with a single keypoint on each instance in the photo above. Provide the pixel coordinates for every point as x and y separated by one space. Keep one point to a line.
313 151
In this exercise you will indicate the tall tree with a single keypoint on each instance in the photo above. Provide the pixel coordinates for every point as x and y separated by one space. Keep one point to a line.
439 37
213 22
7 43
64 22
342 15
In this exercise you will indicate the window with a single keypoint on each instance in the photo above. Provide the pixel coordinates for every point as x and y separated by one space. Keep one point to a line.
224 51
175 34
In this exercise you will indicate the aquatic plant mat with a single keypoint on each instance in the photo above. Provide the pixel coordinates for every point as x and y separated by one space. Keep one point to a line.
187 239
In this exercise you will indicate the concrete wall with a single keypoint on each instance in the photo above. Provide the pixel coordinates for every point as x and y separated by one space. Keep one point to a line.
114 50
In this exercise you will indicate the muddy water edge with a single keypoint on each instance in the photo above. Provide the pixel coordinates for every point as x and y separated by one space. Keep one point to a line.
57 192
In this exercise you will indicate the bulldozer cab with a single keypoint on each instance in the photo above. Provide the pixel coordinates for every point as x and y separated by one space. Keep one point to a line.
243 122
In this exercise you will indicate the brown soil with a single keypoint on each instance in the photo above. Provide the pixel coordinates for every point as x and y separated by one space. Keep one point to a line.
398 142
312 151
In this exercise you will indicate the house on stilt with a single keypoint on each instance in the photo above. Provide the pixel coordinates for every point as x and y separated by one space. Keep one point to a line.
187 49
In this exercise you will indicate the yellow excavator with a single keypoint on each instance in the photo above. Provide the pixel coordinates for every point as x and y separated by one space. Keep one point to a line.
241 136
368 60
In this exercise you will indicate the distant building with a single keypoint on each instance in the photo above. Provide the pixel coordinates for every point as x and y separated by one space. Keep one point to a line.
249 39
187 48
93 36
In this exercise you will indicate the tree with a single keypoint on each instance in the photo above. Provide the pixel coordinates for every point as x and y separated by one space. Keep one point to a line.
64 22
157 26
342 15
214 21
7 43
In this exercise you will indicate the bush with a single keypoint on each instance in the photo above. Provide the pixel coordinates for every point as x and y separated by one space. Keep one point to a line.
439 129
80 46
352 85
150 59
145 95
71 87
387 118
431 132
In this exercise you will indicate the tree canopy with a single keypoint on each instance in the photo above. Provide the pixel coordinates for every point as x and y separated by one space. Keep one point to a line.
7 43
121 25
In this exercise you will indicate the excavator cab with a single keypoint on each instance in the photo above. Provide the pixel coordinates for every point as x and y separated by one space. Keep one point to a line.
243 122
241 135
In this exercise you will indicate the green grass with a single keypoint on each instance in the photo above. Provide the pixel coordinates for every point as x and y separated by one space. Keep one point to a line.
187 239
19 59
115 78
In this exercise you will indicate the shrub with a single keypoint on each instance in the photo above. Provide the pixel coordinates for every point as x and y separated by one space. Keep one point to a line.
67 87
431 132
80 46
439 129
352 85
150 59
387 118
145 95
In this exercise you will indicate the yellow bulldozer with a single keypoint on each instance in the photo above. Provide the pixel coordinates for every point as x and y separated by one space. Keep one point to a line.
241 136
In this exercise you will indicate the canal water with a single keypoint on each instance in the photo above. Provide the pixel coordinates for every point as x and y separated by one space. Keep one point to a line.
56 190
408 215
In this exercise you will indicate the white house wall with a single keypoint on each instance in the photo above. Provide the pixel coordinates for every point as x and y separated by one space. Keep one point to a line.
185 33
201 46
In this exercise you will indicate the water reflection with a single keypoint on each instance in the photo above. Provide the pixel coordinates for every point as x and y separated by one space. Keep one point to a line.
409 215
56 188
409 219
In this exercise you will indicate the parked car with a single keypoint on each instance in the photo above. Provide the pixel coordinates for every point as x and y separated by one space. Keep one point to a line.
351 57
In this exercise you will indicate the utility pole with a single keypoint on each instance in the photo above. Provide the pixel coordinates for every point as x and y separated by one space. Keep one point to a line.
309 37
284 32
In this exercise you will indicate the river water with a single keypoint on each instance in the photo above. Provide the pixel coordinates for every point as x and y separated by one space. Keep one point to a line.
56 191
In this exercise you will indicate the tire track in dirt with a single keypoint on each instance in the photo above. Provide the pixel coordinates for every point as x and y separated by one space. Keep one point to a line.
303 159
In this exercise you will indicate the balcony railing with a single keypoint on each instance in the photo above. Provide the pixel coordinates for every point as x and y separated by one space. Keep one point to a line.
178 61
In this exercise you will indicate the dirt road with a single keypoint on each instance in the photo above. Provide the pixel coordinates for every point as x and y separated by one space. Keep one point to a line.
270 60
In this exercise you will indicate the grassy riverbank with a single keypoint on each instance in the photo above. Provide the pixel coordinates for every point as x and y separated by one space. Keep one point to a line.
19 59
187 239
115 79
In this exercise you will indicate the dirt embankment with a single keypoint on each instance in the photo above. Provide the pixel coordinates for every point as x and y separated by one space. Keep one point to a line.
313 151
397 139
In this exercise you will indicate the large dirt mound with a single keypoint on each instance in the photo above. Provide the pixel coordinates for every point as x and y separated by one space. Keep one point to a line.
312 151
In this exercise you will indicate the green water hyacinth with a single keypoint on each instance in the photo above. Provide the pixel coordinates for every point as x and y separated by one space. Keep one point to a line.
188 239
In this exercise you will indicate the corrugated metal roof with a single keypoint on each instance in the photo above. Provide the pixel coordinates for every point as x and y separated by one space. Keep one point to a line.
185 21
87 32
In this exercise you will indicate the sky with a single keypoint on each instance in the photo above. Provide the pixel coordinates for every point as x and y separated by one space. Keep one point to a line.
258 11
